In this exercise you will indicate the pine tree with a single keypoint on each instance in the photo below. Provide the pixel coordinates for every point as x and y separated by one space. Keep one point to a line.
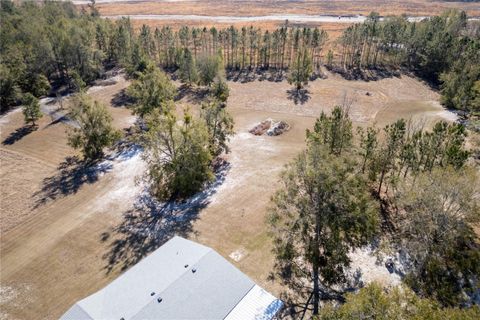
188 68
31 109
209 68
219 125
301 70
322 210
220 89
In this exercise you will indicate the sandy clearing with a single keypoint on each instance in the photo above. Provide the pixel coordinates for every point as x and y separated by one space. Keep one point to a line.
127 170
365 265
17 181
6 118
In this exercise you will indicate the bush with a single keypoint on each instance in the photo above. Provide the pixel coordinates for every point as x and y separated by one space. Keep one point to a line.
220 89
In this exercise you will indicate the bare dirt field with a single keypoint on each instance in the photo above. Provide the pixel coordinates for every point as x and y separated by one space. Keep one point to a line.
66 231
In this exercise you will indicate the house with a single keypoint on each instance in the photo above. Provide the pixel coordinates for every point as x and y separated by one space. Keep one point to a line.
180 280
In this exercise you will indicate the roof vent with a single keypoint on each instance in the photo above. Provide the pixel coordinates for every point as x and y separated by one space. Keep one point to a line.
159 300
152 294
186 266
194 270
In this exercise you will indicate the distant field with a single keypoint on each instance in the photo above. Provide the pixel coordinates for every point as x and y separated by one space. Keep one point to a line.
248 8
260 7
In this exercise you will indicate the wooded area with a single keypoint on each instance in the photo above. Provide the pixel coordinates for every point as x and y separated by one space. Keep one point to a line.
405 185
53 45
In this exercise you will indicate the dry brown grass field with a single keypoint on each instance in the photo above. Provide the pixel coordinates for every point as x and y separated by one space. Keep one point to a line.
67 232
271 7
264 7
260 7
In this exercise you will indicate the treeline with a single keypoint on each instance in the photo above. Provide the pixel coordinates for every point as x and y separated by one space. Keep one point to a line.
53 44
245 48
444 49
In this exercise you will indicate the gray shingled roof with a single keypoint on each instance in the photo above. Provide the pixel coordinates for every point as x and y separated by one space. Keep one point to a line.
211 292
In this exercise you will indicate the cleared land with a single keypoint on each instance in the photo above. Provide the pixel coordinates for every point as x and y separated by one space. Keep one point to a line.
67 231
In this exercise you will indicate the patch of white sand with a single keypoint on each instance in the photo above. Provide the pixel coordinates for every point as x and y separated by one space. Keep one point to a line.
444 113
237 255
125 184
243 145
370 269
7 293
6 118
15 296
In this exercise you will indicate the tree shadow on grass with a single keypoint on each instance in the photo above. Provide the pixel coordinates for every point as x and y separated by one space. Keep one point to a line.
300 96
72 174
367 74
249 75
19 134
150 223
121 99
194 94
297 293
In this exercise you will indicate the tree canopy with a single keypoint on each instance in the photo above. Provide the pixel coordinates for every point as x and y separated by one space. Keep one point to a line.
374 302
152 90
177 155
439 210
92 130
31 109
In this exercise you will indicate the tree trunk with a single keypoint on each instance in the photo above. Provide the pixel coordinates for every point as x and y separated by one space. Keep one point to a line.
316 290
316 265
382 176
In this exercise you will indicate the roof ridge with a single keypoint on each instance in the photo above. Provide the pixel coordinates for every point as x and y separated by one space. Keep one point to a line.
156 295
246 293
159 294
135 309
